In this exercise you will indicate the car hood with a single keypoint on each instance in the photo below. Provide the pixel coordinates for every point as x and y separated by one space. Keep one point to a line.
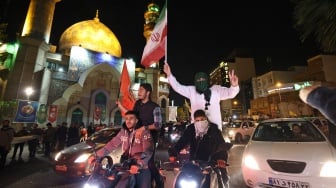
292 151
80 148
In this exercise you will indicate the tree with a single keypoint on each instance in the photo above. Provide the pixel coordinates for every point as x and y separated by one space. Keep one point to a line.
317 18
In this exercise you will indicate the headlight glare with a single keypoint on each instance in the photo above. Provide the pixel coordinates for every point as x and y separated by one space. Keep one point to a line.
328 169
82 158
57 156
250 162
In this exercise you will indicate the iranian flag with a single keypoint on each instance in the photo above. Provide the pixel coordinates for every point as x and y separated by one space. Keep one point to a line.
127 99
155 48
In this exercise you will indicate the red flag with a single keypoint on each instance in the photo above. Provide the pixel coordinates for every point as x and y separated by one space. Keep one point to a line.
155 48
127 100
52 113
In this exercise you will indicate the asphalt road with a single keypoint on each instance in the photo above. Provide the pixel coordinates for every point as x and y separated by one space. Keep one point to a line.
38 172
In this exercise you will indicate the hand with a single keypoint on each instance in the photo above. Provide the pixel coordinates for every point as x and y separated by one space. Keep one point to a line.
233 78
138 132
221 163
134 169
166 69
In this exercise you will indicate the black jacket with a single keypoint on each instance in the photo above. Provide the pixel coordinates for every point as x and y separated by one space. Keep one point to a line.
200 149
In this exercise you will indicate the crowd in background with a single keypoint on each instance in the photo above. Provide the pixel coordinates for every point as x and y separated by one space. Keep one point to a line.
42 140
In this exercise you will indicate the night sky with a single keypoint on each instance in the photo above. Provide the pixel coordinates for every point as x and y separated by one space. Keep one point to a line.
200 34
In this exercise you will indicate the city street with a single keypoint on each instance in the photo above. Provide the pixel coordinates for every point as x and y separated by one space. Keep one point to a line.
38 173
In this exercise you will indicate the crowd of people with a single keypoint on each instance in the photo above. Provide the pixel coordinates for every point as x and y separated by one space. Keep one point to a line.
41 140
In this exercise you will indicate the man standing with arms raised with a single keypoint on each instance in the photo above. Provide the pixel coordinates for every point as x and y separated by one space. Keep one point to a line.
204 96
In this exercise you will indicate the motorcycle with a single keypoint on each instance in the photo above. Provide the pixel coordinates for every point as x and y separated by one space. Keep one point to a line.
201 174
105 173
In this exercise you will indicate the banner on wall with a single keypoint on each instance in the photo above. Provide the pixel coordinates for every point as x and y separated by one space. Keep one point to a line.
42 113
52 117
26 111
97 112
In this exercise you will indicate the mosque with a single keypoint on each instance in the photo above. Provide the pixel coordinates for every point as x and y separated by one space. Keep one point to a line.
79 82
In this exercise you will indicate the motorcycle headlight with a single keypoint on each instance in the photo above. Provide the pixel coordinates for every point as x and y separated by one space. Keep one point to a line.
328 169
188 183
82 158
88 185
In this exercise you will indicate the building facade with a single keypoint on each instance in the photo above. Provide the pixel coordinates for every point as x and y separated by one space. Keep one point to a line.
81 76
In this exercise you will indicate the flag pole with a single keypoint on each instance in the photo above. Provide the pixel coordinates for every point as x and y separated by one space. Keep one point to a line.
118 93
166 45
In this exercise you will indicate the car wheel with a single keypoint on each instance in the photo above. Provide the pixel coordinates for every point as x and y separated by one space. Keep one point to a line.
239 139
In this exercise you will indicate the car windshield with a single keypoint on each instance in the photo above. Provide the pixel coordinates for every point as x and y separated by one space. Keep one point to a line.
234 124
287 131
103 136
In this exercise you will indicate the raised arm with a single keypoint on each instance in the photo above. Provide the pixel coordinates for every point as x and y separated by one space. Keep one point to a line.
233 78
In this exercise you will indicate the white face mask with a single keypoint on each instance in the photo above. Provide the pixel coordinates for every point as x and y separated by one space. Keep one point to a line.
201 127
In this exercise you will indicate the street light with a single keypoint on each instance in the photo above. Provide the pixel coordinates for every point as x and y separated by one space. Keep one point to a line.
29 91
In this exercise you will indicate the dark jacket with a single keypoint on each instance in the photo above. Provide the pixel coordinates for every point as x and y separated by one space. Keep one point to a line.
200 149
146 115
6 137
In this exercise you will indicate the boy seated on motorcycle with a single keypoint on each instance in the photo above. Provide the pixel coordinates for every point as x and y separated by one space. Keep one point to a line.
204 139
132 146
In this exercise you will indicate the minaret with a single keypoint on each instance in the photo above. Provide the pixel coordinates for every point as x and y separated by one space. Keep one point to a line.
30 62
151 16
153 74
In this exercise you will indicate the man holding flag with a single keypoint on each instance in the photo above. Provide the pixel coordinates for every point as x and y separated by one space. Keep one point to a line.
151 119
149 111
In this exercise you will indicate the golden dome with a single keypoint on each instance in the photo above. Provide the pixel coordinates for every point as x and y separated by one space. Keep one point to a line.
92 35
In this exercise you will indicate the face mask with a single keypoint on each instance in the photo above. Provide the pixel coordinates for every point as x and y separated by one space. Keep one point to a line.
201 126
201 82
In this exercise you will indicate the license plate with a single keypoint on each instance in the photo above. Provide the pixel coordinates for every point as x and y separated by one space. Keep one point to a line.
62 168
287 183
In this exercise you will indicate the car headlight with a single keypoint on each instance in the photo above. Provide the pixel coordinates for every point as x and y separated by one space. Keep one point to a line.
82 158
57 156
328 169
231 133
251 162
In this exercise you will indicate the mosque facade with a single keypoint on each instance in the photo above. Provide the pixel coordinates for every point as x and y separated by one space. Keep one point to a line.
80 81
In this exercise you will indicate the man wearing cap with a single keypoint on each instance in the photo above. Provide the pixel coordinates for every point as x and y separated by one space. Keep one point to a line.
204 96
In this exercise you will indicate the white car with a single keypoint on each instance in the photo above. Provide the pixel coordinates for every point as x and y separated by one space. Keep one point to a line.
240 130
275 156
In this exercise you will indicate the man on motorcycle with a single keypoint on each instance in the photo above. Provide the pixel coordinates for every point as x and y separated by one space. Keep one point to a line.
204 139
132 145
